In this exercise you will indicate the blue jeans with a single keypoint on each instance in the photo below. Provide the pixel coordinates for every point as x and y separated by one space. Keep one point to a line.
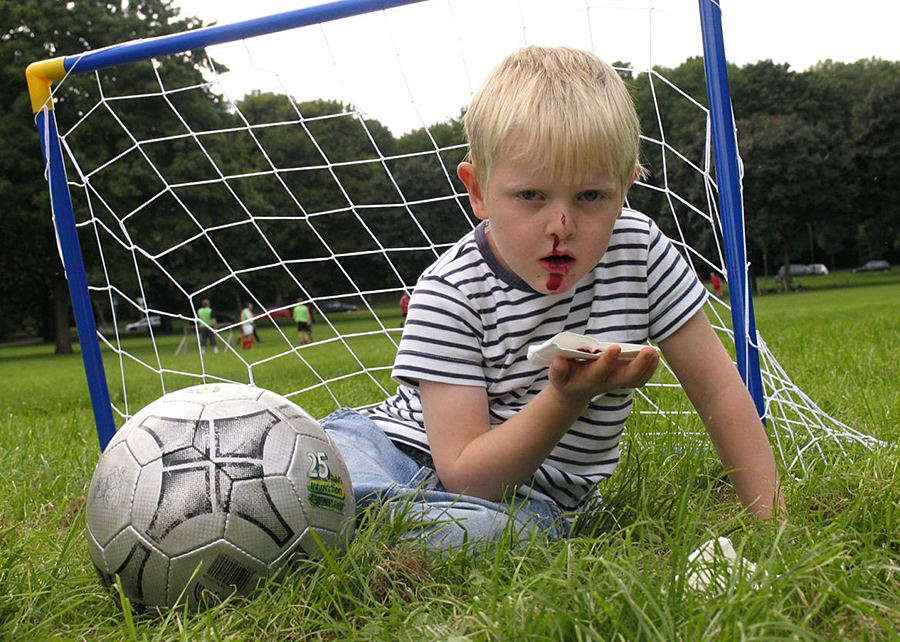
379 471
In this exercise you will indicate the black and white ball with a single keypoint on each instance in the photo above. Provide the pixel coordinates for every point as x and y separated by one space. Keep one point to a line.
210 490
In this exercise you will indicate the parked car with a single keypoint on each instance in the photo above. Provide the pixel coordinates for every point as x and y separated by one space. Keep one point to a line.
873 266
144 324
797 269
337 306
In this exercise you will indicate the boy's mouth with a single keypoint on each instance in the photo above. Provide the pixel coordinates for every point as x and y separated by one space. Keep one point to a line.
557 266
557 263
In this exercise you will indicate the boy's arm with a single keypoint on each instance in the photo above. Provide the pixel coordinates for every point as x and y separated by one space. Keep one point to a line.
473 458
715 388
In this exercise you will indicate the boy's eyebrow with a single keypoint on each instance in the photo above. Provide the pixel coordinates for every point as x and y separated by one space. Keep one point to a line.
599 184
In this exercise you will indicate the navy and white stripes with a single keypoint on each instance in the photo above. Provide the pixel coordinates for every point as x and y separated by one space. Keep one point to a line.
470 323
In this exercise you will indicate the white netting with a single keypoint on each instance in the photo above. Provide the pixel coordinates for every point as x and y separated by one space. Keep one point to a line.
279 181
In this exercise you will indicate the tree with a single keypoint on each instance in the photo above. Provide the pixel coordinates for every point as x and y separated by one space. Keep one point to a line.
791 168
765 88
32 285
876 157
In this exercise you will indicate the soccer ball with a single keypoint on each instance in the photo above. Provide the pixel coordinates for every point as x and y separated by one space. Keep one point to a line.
210 490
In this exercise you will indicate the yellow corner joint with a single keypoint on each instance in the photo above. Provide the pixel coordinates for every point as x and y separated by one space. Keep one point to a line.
40 76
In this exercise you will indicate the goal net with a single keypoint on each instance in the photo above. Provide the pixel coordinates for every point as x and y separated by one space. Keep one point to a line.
316 166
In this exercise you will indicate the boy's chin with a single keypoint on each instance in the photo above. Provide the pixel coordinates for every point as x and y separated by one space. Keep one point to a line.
554 283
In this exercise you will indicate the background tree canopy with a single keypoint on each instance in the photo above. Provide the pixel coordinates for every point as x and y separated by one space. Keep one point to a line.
821 154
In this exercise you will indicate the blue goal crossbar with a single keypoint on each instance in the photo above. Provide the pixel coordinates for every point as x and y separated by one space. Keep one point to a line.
41 76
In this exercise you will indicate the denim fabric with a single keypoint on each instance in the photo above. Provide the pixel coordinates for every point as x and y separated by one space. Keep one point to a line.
379 471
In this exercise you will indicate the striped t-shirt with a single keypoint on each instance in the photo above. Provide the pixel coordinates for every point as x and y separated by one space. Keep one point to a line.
471 321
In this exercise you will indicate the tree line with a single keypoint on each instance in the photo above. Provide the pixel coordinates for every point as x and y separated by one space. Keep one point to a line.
820 151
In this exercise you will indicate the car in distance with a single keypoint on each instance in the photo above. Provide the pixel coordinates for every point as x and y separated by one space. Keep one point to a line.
873 266
337 306
797 269
144 324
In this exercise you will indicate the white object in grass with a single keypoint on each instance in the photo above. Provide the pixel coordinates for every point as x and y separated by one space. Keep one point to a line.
579 346
712 564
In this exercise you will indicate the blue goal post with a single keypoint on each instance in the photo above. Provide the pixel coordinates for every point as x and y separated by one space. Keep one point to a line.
42 75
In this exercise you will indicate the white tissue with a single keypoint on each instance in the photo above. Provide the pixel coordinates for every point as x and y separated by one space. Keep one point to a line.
713 563
578 346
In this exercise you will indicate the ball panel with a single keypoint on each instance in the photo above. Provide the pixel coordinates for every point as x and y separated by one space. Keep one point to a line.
255 523
223 570
312 541
239 429
141 566
207 393
283 495
293 552
110 495
193 532
278 449
162 434
284 405
309 428
184 492
143 444
322 483
95 550
147 495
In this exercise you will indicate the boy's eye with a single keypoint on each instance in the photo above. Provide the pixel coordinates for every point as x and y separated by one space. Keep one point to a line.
528 195
591 195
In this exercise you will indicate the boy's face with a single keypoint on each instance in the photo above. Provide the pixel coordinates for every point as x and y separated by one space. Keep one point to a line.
550 232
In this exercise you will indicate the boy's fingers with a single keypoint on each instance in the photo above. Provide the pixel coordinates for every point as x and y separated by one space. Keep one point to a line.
644 365
607 371
635 373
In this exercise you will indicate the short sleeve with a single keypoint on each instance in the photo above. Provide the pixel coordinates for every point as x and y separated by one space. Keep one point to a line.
441 339
674 292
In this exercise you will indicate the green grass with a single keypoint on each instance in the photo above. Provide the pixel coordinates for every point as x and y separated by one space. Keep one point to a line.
835 279
830 572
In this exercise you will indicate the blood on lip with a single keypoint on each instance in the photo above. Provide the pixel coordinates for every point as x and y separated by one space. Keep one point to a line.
557 263
561 263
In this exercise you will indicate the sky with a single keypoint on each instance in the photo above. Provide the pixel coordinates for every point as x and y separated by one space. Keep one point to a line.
373 61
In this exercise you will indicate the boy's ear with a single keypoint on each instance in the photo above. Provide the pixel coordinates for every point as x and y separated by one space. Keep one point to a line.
467 174
638 171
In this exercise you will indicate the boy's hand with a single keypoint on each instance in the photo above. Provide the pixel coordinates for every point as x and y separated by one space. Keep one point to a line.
582 380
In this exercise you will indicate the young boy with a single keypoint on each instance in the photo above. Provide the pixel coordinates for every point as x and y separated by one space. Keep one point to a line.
477 438
207 327
303 318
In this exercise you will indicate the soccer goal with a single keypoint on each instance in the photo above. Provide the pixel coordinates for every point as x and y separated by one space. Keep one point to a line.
308 159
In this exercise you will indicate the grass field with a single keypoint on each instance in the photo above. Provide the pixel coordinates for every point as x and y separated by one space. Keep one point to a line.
831 571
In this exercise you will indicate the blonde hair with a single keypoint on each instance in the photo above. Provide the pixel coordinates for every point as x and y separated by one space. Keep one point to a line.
564 105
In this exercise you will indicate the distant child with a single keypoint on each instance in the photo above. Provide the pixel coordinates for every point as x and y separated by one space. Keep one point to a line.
207 326
404 308
716 283
478 440
247 326
303 318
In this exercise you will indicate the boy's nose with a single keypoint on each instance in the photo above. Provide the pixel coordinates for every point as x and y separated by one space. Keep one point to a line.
561 224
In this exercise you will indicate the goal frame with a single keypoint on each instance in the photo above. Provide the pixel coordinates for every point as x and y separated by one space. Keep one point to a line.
42 75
